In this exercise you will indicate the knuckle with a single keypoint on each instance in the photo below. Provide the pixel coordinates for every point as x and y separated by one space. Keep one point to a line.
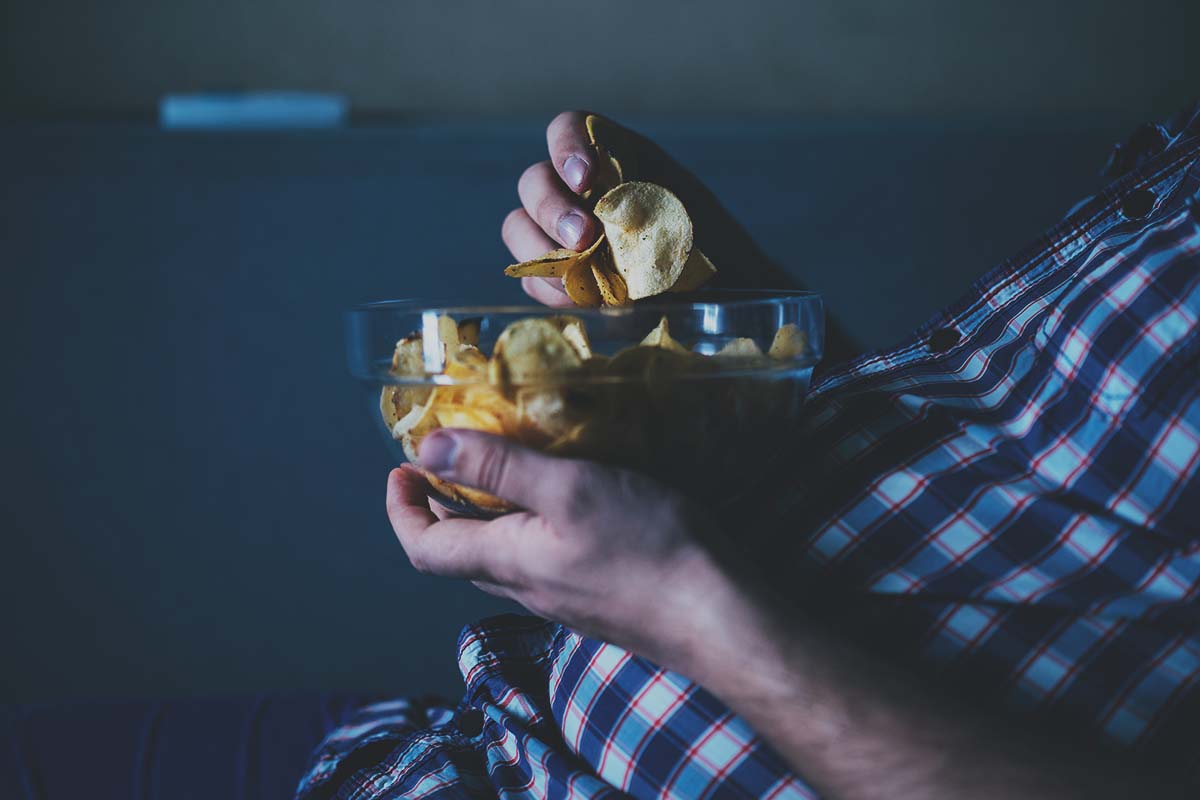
660 503
547 210
578 487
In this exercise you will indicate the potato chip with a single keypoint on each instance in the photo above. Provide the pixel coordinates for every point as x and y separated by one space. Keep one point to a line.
580 285
697 271
491 401
413 426
790 342
651 362
575 332
690 420
421 418
407 361
661 337
533 351
553 264
470 417
613 291
649 234
497 373
568 443
448 333
740 348
479 408
467 363
542 415
389 399
409 356
467 496
610 172
468 331
409 446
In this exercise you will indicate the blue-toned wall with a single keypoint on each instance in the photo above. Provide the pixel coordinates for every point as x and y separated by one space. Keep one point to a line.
826 57
192 493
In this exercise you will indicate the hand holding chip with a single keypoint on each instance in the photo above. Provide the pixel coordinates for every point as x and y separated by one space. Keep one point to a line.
590 155
607 552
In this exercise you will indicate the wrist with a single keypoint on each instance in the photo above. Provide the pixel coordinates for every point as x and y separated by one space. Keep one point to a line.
726 637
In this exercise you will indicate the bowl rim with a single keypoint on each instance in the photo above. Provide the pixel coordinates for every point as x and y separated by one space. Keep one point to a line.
376 373
744 297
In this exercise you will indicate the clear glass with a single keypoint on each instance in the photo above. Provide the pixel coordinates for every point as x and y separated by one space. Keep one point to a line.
710 427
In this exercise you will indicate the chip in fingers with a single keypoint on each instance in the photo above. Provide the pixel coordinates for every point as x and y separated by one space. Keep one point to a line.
553 264
580 285
610 172
649 235
697 271
613 290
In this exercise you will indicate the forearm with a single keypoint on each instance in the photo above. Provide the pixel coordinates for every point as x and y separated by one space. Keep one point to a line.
855 729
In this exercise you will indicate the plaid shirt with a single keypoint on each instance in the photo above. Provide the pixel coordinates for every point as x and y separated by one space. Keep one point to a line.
1014 488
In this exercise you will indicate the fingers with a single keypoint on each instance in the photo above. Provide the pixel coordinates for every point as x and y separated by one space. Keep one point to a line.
555 208
407 503
526 241
454 548
523 238
494 589
552 487
440 511
571 150
548 291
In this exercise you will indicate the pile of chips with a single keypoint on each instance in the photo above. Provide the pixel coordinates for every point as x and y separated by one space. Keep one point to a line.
646 248
543 386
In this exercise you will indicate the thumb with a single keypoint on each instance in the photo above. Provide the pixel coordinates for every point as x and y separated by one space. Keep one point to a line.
544 484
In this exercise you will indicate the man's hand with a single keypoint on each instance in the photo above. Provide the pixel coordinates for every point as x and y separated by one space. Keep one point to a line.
618 557
607 552
554 214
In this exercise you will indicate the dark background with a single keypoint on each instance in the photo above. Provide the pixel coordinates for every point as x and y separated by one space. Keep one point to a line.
192 493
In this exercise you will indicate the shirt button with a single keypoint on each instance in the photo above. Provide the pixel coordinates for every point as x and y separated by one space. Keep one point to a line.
943 339
470 722
1138 204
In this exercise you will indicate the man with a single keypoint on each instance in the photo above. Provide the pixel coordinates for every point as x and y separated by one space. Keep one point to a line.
981 581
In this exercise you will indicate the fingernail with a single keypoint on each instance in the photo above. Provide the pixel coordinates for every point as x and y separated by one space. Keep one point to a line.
575 171
570 228
438 451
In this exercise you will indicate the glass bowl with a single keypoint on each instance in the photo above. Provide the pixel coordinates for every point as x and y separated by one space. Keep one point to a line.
703 411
